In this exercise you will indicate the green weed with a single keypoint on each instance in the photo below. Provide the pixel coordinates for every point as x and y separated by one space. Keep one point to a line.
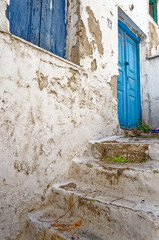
89 165
117 159
142 127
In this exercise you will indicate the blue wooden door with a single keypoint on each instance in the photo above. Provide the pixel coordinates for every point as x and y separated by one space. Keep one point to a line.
128 82
41 22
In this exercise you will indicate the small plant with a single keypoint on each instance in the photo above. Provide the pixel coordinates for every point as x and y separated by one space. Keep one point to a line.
89 165
142 127
117 159
93 200
87 199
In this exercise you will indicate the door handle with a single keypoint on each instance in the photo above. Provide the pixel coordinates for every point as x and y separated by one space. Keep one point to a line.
127 63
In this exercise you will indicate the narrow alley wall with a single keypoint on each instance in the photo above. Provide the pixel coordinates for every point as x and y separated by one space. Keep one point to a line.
150 71
49 110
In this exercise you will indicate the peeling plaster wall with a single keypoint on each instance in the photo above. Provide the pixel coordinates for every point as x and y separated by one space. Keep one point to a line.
49 110
94 44
93 40
153 38
91 36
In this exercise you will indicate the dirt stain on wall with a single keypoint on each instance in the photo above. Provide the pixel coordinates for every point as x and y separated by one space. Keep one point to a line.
42 80
94 65
72 81
113 84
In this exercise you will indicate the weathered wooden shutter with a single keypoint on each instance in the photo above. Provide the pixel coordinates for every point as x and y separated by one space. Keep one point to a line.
41 22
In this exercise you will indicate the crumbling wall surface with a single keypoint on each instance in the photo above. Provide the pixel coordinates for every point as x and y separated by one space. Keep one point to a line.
4 23
152 38
92 40
93 32
91 43
49 110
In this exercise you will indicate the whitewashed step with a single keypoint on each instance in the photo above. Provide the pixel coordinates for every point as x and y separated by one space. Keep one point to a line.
109 215
140 179
38 229
104 216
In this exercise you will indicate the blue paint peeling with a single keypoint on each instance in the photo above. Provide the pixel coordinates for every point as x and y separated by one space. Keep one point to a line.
41 22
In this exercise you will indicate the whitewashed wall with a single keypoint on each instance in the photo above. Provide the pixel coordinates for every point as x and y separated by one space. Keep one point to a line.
49 110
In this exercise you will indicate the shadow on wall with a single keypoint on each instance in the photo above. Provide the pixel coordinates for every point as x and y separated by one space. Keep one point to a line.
41 22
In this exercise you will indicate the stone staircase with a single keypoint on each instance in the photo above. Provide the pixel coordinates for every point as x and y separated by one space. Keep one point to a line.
112 201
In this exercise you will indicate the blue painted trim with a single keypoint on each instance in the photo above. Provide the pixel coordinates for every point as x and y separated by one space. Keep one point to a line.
138 77
129 33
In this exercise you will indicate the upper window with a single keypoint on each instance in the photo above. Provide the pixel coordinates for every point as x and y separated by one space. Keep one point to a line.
153 9
41 22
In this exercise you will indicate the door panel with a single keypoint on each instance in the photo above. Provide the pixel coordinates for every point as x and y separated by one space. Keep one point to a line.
131 75
121 79
128 82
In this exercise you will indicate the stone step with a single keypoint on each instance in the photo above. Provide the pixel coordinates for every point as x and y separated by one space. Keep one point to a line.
41 226
104 216
109 215
132 149
140 179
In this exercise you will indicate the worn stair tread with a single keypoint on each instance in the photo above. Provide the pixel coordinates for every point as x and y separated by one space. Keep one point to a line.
108 197
150 165
43 220
123 139
105 215
130 179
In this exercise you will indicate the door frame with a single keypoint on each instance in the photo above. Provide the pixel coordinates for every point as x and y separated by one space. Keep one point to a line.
137 40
